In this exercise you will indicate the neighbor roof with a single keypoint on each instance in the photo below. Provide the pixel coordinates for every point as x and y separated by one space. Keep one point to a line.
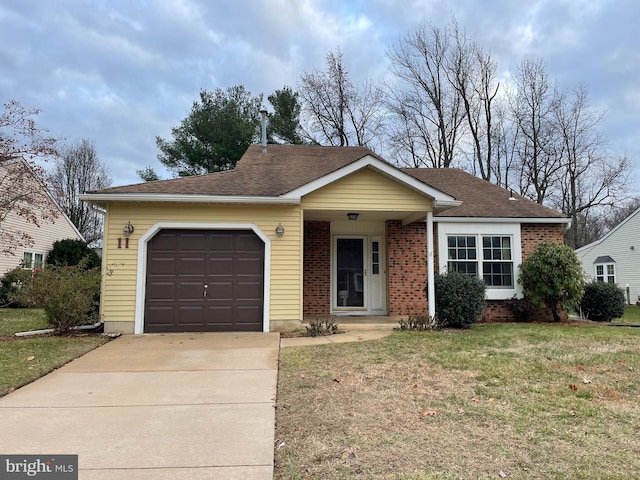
284 168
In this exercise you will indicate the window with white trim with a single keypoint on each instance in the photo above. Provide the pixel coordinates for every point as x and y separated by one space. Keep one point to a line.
462 254
496 256
497 264
493 258
606 272
32 260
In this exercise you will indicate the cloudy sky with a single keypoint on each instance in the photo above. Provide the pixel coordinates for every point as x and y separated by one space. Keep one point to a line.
121 72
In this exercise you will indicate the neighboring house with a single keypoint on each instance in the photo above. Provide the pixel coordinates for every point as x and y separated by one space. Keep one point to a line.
615 258
305 231
43 235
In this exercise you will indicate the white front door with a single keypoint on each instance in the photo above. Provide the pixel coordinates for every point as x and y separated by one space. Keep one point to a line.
358 285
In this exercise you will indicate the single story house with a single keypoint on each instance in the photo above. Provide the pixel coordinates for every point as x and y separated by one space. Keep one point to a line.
615 258
16 174
297 231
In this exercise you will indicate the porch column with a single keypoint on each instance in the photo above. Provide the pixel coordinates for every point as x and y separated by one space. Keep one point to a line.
431 288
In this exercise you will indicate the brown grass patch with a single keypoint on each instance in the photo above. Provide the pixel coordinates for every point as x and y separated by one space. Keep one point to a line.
477 404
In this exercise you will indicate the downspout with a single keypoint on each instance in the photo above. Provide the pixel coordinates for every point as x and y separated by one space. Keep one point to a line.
431 288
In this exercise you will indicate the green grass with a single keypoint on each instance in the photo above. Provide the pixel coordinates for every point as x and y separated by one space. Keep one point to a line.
631 315
14 320
528 400
23 360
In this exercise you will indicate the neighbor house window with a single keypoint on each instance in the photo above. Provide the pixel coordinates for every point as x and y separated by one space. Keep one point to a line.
32 260
606 272
489 254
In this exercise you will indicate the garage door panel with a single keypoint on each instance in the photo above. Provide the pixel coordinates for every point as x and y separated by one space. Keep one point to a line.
161 291
191 266
190 290
161 316
190 315
220 266
222 242
249 266
249 243
162 266
219 314
165 241
220 291
193 241
181 262
249 291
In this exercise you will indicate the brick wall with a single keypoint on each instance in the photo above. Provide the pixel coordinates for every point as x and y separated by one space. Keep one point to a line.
406 268
316 285
495 311
531 234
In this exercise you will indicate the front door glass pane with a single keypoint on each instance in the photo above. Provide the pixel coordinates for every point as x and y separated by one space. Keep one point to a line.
350 274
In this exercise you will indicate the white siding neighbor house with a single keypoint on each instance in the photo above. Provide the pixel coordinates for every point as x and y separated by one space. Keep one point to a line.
615 258
43 236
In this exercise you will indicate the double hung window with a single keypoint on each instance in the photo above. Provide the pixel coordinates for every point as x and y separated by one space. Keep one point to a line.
487 256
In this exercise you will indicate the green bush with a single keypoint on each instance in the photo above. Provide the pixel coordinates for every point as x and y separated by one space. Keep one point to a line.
552 277
460 299
73 252
602 302
68 295
10 283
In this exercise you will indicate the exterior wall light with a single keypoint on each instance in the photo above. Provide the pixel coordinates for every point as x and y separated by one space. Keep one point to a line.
353 216
128 229
279 230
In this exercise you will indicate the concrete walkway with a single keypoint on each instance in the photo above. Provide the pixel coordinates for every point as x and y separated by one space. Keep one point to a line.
183 406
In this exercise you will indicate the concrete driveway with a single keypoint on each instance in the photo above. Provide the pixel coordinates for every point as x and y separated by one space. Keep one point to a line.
178 406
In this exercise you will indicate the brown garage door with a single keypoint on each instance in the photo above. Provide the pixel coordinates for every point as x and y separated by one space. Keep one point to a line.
204 281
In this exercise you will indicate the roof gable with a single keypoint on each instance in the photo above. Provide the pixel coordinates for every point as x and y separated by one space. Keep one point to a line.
609 233
6 164
383 168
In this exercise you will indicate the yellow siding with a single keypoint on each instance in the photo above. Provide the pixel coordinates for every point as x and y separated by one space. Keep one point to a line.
366 190
120 265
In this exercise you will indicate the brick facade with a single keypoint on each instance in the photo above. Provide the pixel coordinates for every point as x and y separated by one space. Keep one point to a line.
406 268
316 284
531 234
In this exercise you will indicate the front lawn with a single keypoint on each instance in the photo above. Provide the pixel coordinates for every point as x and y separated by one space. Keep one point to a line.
23 360
515 401
631 315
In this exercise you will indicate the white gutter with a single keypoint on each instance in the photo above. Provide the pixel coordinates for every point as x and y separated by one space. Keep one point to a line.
559 220
186 198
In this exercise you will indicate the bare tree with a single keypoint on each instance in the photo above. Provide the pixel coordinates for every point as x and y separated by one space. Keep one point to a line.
589 178
504 153
537 143
473 75
77 170
337 111
22 193
427 108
